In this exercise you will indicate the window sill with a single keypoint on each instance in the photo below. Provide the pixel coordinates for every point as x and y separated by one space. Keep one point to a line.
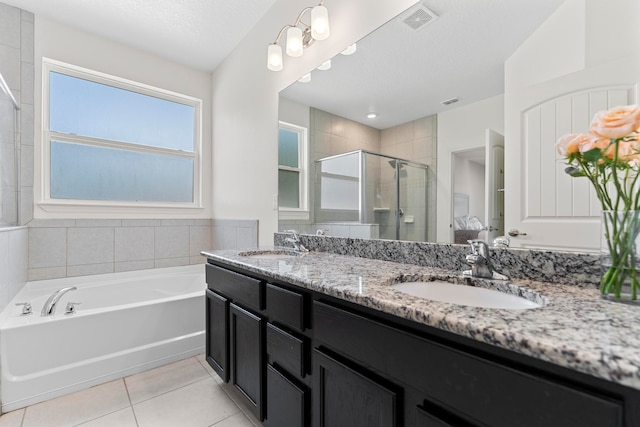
100 208
293 214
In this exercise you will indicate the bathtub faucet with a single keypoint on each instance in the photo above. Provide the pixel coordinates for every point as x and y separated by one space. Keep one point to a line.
50 306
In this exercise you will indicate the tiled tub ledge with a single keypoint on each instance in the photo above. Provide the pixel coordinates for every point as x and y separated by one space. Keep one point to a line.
570 268
574 328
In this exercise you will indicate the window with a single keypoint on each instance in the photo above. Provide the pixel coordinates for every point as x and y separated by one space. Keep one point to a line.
292 171
114 142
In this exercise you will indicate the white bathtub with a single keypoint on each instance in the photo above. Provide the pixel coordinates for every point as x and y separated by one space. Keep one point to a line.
126 323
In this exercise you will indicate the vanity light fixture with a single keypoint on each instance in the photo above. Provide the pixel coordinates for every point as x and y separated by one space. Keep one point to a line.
325 66
350 50
299 35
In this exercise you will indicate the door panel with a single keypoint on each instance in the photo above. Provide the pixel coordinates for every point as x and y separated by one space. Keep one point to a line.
553 209
247 356
344 397
494 185
217 332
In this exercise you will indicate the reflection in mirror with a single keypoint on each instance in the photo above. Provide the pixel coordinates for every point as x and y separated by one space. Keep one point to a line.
403 74
377 196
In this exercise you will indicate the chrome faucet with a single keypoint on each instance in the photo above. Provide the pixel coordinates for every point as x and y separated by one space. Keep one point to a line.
480 261
50 306
295 239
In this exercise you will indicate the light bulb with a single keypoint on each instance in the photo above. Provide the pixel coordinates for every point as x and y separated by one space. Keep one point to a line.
294 42
274 57
371 115
320 23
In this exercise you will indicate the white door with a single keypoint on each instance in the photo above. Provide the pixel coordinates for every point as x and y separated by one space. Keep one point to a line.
544 207
494 185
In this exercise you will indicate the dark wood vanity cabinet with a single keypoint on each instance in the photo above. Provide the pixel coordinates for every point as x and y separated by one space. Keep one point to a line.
235 333
345 395
302 358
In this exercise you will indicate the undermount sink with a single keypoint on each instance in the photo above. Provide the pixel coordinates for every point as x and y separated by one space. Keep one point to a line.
271 254
465 295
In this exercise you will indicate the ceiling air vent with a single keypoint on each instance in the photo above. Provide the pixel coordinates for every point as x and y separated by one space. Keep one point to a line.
450 101
418 17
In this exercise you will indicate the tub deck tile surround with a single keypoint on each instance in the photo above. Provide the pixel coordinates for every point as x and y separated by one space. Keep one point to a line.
575 328
71 247
185 393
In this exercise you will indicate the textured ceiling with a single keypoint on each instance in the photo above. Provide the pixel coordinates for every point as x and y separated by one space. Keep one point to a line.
399 73
197 33
403 74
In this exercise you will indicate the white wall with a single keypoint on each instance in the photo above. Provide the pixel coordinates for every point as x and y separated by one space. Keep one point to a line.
469 179
60 42
294 113
580 34
458 130
245 105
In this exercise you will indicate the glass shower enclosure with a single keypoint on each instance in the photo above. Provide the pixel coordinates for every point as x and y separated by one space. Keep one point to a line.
370 188
9 157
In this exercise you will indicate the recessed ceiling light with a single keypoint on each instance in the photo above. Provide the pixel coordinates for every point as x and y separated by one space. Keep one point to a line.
450 101
372 115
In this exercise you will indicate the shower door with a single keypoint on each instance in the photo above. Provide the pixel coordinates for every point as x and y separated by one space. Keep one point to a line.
412 202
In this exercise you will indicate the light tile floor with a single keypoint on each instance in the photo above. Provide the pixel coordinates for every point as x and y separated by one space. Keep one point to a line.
182 394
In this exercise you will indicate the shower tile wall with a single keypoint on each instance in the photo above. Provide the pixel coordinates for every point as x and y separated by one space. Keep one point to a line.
415 140
78 247
331 135
17 67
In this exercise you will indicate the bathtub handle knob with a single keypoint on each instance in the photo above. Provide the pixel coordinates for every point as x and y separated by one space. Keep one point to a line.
71 307
26 308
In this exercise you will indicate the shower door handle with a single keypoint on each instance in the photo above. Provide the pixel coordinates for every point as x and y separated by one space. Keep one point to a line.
400 212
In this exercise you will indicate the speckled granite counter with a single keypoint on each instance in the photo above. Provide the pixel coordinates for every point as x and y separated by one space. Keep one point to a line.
575 328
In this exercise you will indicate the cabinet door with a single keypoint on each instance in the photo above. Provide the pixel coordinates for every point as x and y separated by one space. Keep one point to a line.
286 401
217 334
247 356
345 397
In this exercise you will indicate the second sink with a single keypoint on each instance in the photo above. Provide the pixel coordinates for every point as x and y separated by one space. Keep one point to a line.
464 295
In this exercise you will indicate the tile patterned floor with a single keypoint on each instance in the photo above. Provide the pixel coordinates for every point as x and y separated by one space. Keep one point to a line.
183 394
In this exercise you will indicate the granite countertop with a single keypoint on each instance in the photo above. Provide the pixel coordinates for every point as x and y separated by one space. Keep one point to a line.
574 328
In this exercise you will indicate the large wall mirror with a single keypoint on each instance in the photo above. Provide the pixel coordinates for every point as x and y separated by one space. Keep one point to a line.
384 176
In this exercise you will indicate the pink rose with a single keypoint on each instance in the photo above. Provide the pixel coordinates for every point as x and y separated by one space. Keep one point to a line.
627 151
573 143
616 123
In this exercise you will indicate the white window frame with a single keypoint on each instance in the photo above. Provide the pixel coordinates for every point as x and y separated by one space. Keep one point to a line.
302 212
50 204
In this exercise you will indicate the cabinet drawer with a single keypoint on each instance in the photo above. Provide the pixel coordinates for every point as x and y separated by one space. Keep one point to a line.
236 287
425 419
287 404
481 389
285 306
285 350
